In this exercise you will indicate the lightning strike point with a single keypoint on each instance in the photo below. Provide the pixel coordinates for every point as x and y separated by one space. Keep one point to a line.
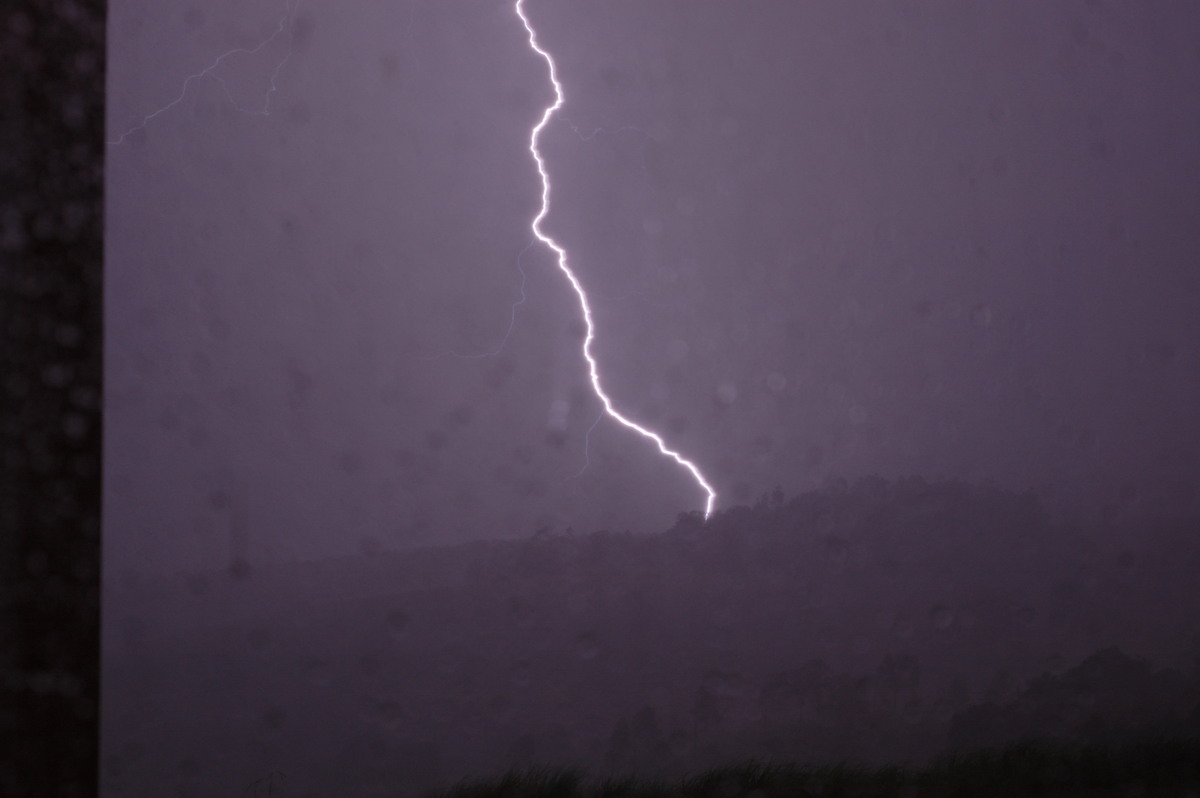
561 259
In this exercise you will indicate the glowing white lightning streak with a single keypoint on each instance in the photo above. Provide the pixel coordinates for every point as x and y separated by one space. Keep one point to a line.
561 254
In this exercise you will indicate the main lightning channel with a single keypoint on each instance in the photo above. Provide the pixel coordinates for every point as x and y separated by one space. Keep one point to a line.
561 255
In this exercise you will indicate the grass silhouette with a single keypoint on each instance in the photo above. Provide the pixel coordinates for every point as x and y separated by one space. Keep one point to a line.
1149 769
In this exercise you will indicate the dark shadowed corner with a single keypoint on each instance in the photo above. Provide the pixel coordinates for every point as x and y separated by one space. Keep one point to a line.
52 67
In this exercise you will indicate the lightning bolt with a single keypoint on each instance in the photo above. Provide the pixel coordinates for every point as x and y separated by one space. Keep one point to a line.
210 72
561 256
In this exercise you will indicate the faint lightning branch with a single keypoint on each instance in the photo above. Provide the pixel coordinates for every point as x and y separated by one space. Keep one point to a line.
210 72
596 131
412 15
512 320
587 461
561 255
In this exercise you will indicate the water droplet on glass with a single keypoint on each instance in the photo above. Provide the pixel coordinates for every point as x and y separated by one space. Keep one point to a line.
587 647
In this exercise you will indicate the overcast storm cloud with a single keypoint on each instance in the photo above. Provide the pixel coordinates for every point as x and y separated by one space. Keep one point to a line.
815 241
819 241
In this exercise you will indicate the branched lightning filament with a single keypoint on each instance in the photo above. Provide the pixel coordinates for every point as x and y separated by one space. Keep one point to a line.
210 72
561 258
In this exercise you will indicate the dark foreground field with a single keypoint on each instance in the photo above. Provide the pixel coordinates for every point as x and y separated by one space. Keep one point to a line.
1166 768
880 622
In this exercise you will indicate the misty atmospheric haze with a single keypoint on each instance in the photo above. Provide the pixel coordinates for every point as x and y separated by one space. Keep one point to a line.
916 286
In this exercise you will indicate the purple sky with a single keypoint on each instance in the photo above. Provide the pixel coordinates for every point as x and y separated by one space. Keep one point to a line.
821 238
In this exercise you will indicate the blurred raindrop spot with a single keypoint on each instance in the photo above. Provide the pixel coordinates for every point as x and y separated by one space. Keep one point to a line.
520 610
317 673
389 66
350 462
397 622
239 569
526 488
298 113
405 460
1159 353
200 365
814 456
677 425
575 330
724 618
68 335
587 647
169 420
369 664
942 617
16 386
56 375
218 499
193 18
522 674
389 711
499 374
37 564
460 416
523 454
836 551
274 716
288 224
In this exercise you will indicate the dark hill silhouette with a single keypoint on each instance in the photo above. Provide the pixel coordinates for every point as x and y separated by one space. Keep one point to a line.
1108 699
862 621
